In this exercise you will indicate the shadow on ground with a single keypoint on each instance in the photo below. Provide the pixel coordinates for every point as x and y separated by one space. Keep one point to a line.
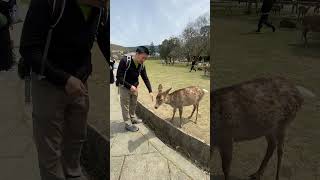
133 145
176 120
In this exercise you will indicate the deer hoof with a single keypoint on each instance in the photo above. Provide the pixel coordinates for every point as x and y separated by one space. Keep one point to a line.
255 176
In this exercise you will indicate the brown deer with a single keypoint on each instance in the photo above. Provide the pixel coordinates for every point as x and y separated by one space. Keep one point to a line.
310 23
178 99
252 109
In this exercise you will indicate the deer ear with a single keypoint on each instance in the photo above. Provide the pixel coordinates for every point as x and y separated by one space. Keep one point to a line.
168 90
160 88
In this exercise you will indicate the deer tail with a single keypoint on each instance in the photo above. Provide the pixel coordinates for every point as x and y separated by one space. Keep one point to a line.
205 90
305 92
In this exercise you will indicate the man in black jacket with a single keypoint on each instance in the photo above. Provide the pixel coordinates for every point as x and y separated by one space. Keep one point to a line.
265 10
193 63
60 100
128 80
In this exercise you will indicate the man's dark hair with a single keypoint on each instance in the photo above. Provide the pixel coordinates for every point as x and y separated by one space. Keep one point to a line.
142 49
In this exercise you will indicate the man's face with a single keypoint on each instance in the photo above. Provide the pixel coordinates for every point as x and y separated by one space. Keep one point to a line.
141 57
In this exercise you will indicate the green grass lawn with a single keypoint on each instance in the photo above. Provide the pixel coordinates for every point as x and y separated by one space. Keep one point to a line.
176 77
240 55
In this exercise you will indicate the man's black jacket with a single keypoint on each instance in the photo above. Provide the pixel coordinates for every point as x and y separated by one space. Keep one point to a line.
132 75
72 39
267 6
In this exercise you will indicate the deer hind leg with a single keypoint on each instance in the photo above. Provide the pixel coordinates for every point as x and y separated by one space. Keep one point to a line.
280 145
194 108
271 147
180 114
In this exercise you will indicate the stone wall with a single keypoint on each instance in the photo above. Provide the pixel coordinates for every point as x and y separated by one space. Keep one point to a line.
95 156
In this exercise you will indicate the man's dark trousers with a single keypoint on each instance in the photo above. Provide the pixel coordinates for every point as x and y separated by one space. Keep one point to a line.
264 20
60 124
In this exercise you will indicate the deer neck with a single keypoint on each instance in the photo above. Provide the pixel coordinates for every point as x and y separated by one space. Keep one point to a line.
168 99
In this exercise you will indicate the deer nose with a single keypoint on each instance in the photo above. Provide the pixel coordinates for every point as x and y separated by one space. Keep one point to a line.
156 107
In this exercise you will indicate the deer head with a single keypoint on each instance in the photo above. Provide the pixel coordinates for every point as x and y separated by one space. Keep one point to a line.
161 96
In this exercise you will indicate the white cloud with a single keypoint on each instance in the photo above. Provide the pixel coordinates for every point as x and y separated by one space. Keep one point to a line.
162 19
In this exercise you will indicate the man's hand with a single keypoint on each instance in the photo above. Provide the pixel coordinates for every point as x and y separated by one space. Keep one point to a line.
75 87
151 95
133 89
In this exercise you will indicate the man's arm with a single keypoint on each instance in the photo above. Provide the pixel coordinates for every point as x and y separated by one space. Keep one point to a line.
146 79
120 73
33 40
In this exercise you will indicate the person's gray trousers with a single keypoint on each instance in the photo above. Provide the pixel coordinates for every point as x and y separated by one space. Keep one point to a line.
59 129
128 102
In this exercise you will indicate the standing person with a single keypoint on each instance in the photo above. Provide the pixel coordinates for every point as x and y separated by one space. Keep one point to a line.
265 10
193 64
128 80
6 53
60 92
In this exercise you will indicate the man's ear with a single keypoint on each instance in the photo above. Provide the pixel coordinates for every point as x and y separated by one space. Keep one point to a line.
160 88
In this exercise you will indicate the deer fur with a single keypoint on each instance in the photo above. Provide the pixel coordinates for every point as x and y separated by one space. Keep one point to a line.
253 109
178 99
310 23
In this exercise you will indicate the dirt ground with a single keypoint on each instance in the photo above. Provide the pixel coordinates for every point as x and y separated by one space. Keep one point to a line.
241 55
176 77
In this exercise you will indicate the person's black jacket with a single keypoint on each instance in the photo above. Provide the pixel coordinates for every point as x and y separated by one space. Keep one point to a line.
132 75
267 6
71 43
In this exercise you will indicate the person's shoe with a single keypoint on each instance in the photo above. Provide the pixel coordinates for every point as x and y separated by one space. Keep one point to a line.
273 29
258 30
132 128
136 120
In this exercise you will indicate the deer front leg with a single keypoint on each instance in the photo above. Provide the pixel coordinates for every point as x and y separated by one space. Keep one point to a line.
280 145
174 112
180 114
194 108
271 147
197 105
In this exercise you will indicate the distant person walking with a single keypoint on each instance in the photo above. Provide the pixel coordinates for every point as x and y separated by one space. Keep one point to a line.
265 11
128 72
193 65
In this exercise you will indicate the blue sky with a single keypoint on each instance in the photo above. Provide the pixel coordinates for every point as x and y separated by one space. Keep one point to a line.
154 20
